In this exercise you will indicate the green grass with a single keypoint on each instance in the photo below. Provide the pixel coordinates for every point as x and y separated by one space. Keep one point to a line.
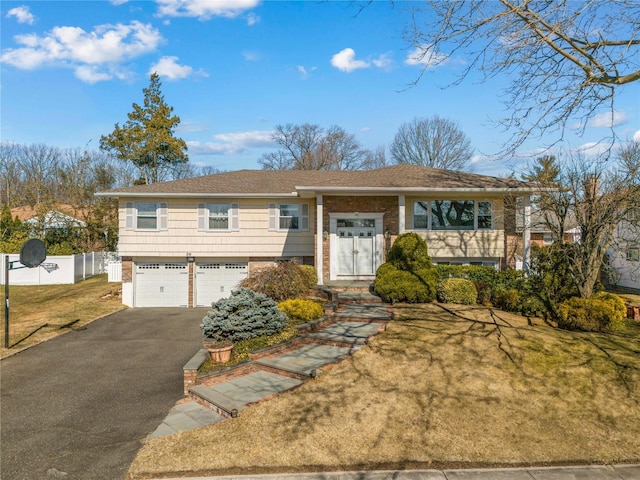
466 386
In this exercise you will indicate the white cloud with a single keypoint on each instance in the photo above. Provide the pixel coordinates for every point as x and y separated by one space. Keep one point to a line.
204 9
169 67
90 74
594 149
72 47
252 19
426 57
250 56
608 119
636 136
22 14
345 60
304 72
384 62
232 143
118 2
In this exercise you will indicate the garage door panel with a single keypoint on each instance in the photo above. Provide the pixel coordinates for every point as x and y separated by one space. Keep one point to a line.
216 280
162 284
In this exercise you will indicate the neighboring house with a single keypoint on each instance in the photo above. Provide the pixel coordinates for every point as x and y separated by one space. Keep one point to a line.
540 233
41 221
189 242
624 256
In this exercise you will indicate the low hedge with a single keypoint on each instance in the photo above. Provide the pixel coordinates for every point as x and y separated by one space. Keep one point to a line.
301 311
394 285
457 290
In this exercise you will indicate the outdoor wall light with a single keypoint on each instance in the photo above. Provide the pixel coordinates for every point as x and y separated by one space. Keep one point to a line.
191 259
387 234
325 235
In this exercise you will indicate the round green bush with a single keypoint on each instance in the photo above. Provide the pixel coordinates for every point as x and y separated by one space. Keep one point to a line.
301 311
409 253
457 290
245 314
590 314
310 274
393 285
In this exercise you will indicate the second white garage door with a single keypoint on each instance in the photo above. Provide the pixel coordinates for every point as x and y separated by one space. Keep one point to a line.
162 284
216 280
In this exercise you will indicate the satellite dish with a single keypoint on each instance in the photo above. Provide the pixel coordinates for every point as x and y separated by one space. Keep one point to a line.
33 253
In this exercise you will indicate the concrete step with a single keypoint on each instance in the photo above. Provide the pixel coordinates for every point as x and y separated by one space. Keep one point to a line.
231 397
186 416
364 312
347 298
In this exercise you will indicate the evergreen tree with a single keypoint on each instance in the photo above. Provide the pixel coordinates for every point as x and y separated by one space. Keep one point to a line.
146 138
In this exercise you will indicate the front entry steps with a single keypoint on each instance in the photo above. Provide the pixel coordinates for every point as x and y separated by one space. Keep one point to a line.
232 391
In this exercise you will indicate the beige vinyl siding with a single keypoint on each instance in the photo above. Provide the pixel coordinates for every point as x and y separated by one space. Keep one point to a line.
462 243
182 236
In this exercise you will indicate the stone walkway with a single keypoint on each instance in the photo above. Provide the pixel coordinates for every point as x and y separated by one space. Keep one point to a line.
359 316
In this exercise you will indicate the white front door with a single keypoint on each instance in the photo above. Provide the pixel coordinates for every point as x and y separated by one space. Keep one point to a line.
356 247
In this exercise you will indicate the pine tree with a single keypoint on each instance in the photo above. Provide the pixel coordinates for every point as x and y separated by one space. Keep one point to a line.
147 139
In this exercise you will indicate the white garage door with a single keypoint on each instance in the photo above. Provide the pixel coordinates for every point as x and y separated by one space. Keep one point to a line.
216 280
162 284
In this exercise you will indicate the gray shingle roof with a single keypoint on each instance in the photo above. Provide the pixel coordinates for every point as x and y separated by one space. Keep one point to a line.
400 178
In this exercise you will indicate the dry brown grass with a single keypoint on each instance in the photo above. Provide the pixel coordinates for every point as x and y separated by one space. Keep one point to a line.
38 313
467 386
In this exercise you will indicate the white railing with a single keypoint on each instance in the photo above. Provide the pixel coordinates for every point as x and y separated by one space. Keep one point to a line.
56 270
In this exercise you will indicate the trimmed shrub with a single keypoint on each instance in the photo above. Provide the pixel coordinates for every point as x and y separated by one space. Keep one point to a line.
408 276
590 314
393 285
457 290
245 314
507 299
485 279
409 253
301 311
310 274
283 281
618 304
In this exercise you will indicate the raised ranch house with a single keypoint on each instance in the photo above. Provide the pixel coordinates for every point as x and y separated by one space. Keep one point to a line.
190 242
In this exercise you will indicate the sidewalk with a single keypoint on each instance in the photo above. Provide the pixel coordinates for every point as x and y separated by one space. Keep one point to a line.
591 472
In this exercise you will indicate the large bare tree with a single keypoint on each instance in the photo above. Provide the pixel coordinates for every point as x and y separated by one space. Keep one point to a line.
432 142
597 195
564 58
311 147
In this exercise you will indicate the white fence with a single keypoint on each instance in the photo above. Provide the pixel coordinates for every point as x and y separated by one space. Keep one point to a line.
70 269
115 272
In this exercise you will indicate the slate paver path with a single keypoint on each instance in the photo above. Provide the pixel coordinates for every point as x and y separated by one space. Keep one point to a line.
236 394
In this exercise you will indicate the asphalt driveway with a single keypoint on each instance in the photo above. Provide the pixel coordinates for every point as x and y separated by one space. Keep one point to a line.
82 403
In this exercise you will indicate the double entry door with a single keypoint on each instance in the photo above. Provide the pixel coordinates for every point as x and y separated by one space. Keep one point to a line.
356 246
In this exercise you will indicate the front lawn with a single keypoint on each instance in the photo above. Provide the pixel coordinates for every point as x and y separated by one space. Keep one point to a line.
38 313
445 385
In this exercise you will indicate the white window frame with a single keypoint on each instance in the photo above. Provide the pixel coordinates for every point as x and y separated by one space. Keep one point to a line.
275 217
131 216
476 215
204 215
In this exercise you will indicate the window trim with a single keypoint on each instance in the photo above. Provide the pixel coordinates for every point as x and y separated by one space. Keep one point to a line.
635 257
476 215
204 215
303 217
131 216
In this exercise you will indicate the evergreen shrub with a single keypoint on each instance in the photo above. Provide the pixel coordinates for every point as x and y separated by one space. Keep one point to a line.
457 290
245 314
282 281
310 274
408 276
590 314
301 311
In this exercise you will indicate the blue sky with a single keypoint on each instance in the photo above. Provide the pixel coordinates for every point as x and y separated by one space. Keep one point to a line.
233 70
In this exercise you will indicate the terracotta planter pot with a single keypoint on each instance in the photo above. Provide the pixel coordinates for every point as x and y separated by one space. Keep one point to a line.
220 351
